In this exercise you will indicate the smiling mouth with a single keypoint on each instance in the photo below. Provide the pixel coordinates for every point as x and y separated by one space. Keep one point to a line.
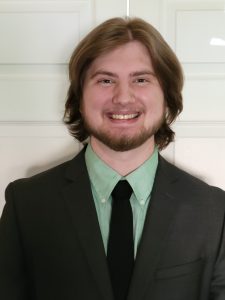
124 116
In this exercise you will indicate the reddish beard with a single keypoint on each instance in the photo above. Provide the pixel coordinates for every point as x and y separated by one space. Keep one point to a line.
123 141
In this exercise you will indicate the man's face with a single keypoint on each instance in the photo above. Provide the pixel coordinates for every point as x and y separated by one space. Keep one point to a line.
123 104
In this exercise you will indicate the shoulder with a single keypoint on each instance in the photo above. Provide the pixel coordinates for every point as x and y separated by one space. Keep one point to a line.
188 183
48 181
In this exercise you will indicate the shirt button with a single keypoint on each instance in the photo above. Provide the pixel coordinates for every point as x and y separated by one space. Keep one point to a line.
103 200
142 202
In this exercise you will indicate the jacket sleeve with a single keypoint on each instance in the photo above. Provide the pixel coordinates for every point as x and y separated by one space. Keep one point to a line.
217 291
13 278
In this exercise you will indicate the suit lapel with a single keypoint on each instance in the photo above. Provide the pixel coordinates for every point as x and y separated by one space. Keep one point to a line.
78 197
163 206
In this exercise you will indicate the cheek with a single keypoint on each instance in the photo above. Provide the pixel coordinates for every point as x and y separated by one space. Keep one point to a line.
159 101
156 109
155 104
91 110
160 109
92 99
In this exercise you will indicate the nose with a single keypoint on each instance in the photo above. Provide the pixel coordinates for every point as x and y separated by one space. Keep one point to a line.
123 94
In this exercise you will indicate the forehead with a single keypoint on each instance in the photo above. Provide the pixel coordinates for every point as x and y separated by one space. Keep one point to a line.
131 55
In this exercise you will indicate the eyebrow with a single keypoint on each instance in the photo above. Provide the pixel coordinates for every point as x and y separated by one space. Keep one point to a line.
143 72
133 74
102 72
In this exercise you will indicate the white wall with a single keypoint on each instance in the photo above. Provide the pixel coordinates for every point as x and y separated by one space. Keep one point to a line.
37 38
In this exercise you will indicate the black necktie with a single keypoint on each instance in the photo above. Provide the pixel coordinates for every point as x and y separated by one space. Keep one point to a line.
120 253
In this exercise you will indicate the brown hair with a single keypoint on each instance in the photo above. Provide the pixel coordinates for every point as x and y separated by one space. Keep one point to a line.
106 37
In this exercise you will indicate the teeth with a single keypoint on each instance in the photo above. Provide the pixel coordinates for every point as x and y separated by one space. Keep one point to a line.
124 117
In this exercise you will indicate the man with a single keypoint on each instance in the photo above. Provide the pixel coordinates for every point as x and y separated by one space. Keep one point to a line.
57 232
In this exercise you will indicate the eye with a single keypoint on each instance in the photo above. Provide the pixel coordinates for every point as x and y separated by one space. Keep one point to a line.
141 80
105 81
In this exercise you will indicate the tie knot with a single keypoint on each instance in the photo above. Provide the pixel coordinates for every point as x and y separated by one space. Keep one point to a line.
122 190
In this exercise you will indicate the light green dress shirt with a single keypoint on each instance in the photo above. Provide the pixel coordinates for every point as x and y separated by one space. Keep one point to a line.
103 180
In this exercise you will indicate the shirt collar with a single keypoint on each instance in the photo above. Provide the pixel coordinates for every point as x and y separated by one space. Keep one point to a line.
142 179
104 178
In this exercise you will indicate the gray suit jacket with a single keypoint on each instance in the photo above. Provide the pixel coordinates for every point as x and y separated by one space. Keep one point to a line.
51 246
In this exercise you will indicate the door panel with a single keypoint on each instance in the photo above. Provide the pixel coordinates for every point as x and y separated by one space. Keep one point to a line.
37 39
200 130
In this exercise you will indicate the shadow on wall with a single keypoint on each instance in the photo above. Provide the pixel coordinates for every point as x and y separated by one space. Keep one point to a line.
70 151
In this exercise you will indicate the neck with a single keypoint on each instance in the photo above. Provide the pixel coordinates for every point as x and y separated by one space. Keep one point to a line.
123 162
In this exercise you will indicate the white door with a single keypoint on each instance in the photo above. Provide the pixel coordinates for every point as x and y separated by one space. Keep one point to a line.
196 32
37 38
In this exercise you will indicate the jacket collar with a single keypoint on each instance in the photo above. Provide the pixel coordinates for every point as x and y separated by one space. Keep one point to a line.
77 194
163 206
